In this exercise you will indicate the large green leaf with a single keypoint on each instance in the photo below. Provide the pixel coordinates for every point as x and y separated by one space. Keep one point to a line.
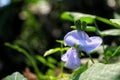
111 32
101 71
73 16
15 76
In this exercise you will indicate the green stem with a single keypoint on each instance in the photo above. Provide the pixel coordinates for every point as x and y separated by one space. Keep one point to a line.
97 29
105 57
98 32
116 51
91 58
62 65
33 62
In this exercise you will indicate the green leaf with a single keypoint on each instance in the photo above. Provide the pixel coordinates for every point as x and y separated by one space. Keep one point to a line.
101 71
51 60
107 21
73 27
116 15
117 21
91 29
51 51
45 62
88 28
89 19
72 16
67 16
111 32
60 41
41 59
76 74
15 76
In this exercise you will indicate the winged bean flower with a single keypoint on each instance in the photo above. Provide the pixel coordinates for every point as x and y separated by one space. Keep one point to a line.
71 59
84 42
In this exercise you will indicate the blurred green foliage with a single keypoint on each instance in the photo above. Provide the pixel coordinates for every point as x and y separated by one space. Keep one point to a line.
31 27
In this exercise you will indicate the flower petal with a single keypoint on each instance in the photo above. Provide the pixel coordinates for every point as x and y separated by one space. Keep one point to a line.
71 59
91 44
85 43
75 37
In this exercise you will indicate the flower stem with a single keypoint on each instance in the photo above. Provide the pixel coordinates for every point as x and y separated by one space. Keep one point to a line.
62 65
91 58
116 51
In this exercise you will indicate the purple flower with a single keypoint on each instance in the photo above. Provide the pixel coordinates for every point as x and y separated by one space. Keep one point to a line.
84 42
71 59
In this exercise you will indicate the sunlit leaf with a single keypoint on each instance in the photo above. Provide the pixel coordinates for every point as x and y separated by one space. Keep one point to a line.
72 16
15 76
67 16
117 21
51 51
88 19
101 71
60 41
111 32
73 27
